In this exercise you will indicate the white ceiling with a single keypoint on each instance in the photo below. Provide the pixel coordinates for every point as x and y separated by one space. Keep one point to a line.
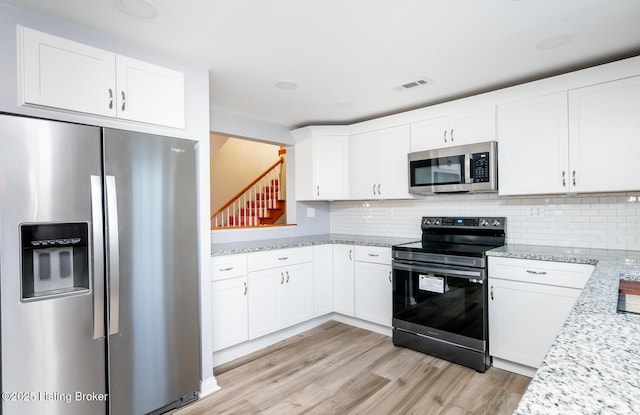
348 55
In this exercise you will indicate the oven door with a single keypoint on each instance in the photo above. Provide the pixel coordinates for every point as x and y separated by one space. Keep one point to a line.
443 302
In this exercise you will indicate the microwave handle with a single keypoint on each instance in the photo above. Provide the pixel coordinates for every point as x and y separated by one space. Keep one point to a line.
467 168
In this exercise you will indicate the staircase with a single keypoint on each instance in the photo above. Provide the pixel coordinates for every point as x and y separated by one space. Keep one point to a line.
260 203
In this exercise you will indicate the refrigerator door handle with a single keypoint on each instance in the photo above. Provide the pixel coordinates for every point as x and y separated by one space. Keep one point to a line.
113 255
98 260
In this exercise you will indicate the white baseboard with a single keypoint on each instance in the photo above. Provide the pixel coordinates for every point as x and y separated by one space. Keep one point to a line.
514 367
208 386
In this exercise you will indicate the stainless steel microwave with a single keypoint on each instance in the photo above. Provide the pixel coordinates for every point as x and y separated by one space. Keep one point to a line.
466 168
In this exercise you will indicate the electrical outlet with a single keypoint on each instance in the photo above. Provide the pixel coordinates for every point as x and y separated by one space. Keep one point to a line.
535 212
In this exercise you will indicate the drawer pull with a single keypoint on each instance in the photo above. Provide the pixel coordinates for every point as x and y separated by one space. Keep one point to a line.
537 272
226 269
283 258
373 254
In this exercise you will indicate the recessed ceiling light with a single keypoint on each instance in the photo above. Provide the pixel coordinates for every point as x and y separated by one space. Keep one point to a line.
554 42
142 9
286 85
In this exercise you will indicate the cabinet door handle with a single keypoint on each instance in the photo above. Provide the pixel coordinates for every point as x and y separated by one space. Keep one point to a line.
124 101
451 135
245 288
445 136
564 178
379 189
390 276
287 272
110 98
374 188
573 175
492 292
318 190
537 272
281 277
350 258
283 258
226 269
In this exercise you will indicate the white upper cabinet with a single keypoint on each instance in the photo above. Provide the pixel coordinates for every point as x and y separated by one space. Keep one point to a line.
533 145
460 127
363 165
581 141
604 131
60 73
321 163
149 93
63 74
378 164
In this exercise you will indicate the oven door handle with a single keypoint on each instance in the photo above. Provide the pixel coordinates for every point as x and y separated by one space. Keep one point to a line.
469 274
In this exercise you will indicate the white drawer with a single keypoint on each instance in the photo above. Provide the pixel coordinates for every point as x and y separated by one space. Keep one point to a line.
375 254
228 266
279 258
560 274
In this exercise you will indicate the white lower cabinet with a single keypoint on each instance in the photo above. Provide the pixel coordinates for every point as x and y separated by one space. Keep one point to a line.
230 324
529 302
282 295
343 279
264 302
260 293
373 286
322 280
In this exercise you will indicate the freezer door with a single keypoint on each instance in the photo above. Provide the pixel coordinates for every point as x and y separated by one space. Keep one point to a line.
51 362
152 265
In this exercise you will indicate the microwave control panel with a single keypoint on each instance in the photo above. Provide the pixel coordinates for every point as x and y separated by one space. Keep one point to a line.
479 164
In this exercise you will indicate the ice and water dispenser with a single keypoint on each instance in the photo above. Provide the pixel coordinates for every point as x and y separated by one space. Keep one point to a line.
55 259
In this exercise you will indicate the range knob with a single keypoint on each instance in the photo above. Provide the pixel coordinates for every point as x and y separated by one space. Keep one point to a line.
427 221
496 222
436 222
484 222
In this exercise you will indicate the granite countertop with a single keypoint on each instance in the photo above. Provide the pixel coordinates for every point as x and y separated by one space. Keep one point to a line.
593 366
269 244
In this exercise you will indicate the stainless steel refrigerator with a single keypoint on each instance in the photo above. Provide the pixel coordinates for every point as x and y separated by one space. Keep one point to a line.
98 270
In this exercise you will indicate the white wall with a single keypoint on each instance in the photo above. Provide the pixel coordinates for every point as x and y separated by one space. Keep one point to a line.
610 221
241 126
197 124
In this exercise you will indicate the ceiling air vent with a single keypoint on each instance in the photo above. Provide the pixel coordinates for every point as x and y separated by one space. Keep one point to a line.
413 84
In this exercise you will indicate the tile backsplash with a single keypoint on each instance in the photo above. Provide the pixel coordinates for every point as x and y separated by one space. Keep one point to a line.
607 220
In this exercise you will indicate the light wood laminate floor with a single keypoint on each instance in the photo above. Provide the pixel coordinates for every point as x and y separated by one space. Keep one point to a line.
339 369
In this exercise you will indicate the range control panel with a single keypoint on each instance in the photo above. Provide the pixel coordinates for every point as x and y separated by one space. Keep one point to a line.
463 222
